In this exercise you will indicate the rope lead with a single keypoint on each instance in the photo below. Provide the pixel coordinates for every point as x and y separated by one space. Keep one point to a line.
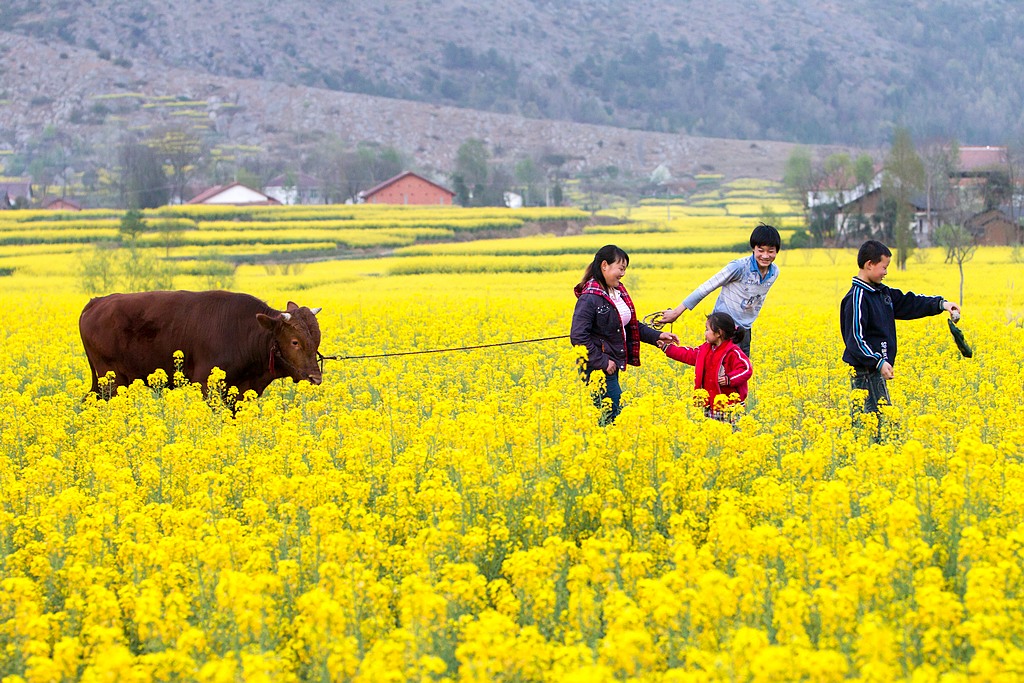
651 320
322 357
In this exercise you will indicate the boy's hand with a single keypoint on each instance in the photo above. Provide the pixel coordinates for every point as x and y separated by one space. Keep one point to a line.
887 371
666 338
723 379
670 315
954 310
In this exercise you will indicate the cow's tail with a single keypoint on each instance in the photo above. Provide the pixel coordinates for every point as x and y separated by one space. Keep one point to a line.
95 378
88 356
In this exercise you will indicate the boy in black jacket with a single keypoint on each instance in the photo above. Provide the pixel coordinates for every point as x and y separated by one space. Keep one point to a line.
867 318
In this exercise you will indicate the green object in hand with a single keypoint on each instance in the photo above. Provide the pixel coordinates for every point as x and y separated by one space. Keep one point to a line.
958 337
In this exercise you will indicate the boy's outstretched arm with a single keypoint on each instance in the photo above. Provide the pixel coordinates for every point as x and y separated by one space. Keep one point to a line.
724 276
670 315
910 306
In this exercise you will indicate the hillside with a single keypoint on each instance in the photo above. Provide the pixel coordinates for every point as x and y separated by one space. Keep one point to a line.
94 102
795 70
725 87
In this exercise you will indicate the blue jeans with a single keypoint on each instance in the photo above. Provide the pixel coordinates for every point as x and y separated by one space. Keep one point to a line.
874 383
878 394
612 391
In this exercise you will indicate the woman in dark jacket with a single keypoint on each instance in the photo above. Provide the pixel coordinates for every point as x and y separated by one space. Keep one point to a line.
605 323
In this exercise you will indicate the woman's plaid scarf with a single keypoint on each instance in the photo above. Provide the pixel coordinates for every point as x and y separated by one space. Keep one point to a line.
632 328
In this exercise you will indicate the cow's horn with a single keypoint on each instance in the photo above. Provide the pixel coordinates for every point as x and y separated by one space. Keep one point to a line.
286 317
316 310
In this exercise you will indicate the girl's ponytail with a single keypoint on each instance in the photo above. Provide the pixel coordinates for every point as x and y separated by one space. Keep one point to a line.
723 324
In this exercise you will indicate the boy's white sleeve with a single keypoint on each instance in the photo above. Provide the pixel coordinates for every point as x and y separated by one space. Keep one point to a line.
732 271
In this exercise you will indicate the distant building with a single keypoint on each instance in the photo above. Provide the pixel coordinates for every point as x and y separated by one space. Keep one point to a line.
295 188
922 223
235 194
982 160
407 188
15 192
977 166
62 204
513 200
840 188
995 228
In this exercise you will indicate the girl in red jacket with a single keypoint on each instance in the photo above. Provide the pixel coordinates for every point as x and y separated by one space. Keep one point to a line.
720 367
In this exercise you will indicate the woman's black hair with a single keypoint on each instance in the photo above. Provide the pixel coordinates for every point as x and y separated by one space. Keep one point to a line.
723 324
609 253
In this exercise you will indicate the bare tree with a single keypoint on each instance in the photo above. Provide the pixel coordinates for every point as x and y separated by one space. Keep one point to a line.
181 151
960 246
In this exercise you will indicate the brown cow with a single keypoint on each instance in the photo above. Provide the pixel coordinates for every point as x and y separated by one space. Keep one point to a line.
134 334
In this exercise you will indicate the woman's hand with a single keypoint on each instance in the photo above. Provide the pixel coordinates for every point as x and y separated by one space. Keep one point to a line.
611 368
667 338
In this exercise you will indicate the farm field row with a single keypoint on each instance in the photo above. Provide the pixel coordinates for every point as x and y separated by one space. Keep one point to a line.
461 516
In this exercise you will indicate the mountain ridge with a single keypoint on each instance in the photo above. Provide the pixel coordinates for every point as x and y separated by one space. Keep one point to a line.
272 115
728 81
791 70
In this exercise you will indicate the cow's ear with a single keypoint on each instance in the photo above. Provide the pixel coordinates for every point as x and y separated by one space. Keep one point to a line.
267 322
291 306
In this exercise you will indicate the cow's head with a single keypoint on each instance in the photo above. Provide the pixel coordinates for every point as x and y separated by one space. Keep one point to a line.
296 336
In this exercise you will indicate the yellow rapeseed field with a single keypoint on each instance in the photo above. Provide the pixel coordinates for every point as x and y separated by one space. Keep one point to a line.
461 516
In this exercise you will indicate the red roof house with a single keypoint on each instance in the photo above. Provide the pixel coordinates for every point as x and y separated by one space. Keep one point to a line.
975 159
62 204
408 188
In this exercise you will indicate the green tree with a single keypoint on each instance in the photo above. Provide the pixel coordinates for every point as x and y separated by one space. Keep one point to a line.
472 168
997 189
531 177
903 178
864 170
97 270
132 223
142 183
798 176
557 194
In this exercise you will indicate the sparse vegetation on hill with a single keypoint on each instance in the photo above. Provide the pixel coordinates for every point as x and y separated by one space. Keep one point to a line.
580 89
779 69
